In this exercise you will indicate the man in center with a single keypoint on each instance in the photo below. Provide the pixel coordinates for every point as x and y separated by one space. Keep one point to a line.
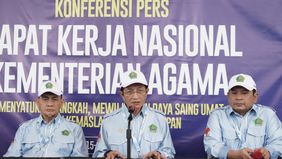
150 132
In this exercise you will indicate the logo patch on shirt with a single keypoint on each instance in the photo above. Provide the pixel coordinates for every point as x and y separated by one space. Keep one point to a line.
258 121
65 132
153 128
120 130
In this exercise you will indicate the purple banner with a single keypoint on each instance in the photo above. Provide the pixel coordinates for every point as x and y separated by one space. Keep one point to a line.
187 49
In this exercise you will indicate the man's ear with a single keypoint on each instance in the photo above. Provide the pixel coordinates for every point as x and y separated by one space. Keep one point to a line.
37 103
36 100
121 93
256 97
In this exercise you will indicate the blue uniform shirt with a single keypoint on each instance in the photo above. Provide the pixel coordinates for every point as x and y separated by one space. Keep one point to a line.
150 132
58 138
227 130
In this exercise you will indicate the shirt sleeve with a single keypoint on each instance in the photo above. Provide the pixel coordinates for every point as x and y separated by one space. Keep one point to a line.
167 148
15 149
274 136
101 146
214 145
80 146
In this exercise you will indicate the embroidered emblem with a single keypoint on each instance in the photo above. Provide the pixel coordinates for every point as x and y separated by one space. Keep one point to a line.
240 78
258 121
49 85
65 132
120 130
132 75
153 128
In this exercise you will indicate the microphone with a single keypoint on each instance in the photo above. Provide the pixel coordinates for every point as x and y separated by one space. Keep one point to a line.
130 110
128 131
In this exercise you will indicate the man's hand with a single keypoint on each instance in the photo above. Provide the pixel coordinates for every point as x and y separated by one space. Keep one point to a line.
114 154
154 155
240 154
247 153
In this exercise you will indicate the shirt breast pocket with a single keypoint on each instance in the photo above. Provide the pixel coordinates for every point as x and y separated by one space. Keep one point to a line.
256 137
117 143
153 140
63 144
30 143
230 138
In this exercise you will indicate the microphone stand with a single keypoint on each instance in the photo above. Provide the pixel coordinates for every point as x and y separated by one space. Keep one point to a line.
128 134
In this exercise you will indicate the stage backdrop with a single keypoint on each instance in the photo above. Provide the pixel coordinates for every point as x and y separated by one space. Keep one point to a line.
188 49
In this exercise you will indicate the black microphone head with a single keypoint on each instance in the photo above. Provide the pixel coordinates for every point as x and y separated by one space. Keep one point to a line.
131 109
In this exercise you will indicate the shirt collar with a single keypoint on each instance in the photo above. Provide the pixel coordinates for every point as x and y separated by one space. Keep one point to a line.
143 111
41 120
253 109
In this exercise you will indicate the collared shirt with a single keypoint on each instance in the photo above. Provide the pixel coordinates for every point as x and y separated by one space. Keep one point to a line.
227 130
58 138
150 132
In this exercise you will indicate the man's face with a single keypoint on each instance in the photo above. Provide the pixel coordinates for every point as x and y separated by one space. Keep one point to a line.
135 96
241 99
49 105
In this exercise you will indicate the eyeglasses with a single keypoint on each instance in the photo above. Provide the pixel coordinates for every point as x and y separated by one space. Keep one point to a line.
137 91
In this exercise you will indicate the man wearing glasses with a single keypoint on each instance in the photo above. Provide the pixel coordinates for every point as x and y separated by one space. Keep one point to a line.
150 136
